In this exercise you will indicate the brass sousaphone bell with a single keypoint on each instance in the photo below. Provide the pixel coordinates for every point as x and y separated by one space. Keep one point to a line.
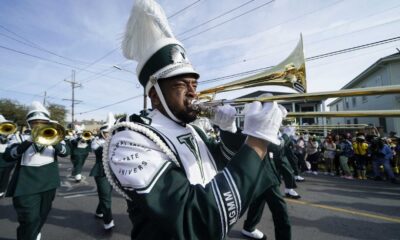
7 128
47 134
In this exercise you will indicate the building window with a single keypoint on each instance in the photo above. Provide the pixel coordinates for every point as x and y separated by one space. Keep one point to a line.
378 81
348 121
355 120
346 103
382 124
337 107
354 101
364 98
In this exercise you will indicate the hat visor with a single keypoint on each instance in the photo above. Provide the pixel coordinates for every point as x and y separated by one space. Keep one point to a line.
183 70
37 118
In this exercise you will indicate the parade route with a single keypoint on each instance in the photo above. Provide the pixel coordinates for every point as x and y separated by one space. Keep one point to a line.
330 208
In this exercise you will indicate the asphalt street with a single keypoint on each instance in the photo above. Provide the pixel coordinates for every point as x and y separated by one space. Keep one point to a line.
330 208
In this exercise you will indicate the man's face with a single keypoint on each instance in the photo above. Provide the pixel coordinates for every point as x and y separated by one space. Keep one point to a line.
34 123
179 92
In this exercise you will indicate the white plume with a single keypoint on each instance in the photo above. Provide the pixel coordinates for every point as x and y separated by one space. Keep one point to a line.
147 24
110 120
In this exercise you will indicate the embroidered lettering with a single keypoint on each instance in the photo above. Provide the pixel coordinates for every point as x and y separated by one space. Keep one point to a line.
231 207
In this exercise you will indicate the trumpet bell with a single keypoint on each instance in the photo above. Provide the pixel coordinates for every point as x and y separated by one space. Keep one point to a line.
87 135
7 128
47 134
291 72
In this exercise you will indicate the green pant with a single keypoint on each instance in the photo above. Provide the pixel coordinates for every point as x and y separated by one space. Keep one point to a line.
277 206
32 211
283 167
4 177
78 161
104 190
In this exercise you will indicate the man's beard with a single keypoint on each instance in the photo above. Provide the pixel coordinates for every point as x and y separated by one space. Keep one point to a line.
187 116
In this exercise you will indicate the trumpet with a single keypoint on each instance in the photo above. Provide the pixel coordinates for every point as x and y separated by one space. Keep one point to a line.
7 128
47 134
87 135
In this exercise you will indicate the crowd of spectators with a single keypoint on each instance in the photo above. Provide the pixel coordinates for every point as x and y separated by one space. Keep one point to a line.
349 156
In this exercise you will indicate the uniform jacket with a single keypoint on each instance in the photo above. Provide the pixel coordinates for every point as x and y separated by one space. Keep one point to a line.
201 196
97 147
37 168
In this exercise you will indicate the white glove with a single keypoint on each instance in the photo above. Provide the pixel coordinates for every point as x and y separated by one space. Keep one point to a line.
224 118
263 121
289 130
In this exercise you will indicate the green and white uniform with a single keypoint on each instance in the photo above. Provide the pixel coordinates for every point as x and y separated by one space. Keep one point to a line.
104 188
33 184
5 167
79 152
199 197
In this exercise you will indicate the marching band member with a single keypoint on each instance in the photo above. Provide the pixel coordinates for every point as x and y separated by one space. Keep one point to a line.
180 185
36 176
80 148
104 188
5 167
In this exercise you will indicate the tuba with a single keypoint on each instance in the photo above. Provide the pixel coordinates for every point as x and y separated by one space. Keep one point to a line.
7 128
47 134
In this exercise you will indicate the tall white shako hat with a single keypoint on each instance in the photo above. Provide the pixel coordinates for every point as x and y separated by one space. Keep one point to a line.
37 112
109 123
149 41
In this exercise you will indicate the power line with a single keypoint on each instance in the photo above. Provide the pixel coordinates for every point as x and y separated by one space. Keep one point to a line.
109 105
59 63
183 9
231 19
34 45
215 18
295 18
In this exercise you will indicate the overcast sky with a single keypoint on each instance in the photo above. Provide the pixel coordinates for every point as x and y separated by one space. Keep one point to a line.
43 41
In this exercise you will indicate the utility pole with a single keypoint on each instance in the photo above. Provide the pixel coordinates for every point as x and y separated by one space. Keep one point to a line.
44 98
74 85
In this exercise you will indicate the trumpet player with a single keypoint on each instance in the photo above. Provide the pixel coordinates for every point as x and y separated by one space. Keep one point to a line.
104 188
36 176
80 148
7 128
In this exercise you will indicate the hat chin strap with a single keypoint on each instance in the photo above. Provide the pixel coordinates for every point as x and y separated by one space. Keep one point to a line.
164 103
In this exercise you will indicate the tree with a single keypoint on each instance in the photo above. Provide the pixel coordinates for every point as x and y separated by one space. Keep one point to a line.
13 111
119 115
57 113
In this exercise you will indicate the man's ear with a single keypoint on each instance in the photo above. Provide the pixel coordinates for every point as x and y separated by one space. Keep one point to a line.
155 100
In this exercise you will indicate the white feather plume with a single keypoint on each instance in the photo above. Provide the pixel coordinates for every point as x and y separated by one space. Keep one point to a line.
147 24
110 120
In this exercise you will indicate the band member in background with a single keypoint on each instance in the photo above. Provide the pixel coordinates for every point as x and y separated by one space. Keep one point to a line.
180 184
272 196
104 188
36 176
80 149
5 167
